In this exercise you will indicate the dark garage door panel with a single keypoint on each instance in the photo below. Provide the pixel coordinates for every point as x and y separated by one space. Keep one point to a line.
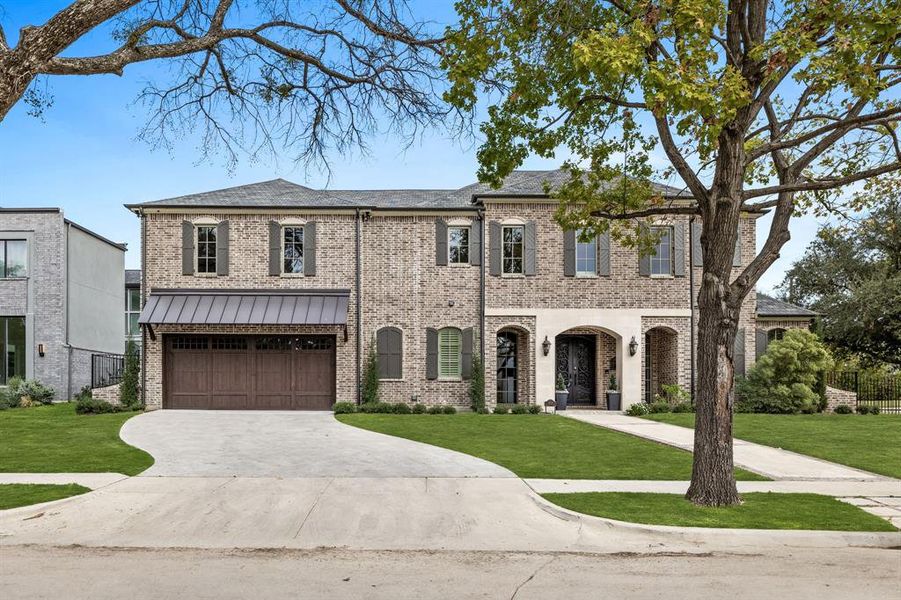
250 373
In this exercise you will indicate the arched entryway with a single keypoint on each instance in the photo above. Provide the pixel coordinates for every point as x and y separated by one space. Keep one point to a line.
661 360
512 366
585 358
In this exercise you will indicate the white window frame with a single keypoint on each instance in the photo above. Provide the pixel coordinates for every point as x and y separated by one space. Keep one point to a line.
522 256
5 243
443 353
468 260
594 242
132 310
672 254
303 244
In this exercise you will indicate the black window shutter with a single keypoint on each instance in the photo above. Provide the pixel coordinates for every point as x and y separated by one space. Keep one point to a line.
309 248
531 249
569 253
761 342
697 254
644 260
679 250
440 242
388 349
604 254
475 242
275 248
738 356
222 248
187 248
736 255
494 248
466 354
431 353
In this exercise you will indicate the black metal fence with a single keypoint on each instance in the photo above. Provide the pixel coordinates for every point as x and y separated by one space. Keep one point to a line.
883 391
106 369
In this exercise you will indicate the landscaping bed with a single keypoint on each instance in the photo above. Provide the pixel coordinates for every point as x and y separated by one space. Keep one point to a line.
540 446
53 439
758 511
868 442
13 495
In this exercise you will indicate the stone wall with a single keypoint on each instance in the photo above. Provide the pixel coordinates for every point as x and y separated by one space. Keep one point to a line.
109 393
835 397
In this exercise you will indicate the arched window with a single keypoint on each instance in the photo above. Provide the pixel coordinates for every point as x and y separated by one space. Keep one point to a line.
389 350
450 350
506 367
775 334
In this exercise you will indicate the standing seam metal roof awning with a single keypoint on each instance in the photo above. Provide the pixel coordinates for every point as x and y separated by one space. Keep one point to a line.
243 307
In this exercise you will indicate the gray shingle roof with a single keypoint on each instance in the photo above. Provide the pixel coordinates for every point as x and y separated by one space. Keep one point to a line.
768 306
281 193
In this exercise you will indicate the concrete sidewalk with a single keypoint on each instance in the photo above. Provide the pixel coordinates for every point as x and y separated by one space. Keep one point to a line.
770 462
89 480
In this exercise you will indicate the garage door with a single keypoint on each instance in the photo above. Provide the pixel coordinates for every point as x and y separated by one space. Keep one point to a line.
249 372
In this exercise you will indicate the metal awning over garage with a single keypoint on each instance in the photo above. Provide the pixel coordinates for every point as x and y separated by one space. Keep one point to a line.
246 307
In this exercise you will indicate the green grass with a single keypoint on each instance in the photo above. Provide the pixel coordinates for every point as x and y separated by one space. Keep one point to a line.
540 446
868 442
23 494
53 439
759 511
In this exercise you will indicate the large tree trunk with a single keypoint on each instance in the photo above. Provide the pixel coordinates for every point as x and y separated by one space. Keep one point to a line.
14 81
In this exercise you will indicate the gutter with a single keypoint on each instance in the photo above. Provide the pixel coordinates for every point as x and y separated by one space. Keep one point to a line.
359 313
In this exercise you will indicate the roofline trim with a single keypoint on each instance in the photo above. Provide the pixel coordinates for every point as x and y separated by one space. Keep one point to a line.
250 292
48 209
121 246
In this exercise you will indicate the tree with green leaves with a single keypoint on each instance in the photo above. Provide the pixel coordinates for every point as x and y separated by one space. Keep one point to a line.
756 105
851 275
370 389
130 386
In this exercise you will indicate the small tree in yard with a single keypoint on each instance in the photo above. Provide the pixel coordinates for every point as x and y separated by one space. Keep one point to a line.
370 392
784 380
477 384
757 105
129 387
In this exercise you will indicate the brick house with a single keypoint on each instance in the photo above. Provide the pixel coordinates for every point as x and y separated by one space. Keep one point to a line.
270 295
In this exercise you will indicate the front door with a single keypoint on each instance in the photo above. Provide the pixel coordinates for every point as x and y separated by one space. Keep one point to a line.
576 361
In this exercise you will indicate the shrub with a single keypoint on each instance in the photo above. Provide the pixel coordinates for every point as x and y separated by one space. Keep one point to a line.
683 407
784 378
84 393
659 406
501 409
420 409
638 409
25 393
483 411
534 409
448 409
436 410
673 394
519 409
129 389
477 384
875 410
93 406
843 409
402 408
344 408
863 409
370 392
376 407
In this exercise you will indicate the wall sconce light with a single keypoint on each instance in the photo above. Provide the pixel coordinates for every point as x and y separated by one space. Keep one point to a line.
633 347
546 346
41 350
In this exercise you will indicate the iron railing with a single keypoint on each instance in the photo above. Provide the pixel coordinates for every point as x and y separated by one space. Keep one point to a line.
883 391
106 369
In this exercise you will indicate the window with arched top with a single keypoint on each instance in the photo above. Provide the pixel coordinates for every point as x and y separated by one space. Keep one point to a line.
389 350
775 334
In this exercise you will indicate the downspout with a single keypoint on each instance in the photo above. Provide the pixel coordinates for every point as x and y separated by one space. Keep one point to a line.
691 300
143 300
359 315
66 344
482 287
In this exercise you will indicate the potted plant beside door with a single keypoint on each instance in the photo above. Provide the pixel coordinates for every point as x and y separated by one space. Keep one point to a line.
614 396
561 396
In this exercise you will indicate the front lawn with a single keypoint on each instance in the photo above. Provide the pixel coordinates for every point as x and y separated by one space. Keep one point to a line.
540 446
868 442
53 439
759 511
23 494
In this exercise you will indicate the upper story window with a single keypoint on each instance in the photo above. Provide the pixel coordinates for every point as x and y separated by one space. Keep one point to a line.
458 245
206 248
292 246
775 334
586 256
12 258
512 249
450 353
132 312
662 258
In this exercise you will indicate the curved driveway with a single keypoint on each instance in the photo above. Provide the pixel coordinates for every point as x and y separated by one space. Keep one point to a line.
186 443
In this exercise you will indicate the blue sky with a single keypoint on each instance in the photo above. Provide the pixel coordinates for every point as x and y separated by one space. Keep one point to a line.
84 155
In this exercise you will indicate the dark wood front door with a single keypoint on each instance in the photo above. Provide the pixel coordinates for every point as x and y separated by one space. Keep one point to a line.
249 372
576 356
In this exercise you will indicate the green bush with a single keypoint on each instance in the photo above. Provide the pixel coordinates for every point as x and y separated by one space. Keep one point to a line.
93 406
448 409
843 409
370 392
638 409
436 410
129 389
84 393
867 409
376 407
27 392
477 384
483 411
784 378
344 408
519 409
420 409
673 394
402 408
659 406
683 407
875 410
534 409
501 409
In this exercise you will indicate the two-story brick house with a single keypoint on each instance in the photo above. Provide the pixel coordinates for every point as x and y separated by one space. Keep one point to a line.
269 296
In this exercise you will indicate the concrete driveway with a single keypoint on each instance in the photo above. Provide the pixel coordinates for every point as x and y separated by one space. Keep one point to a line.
187 443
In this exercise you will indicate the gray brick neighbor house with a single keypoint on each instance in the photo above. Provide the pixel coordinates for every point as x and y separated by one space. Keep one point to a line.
270 295
61 297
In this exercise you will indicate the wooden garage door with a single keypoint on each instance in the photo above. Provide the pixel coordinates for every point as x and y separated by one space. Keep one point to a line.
250 372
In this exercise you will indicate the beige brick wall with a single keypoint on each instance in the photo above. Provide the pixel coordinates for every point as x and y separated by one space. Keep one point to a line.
768 324
524 327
